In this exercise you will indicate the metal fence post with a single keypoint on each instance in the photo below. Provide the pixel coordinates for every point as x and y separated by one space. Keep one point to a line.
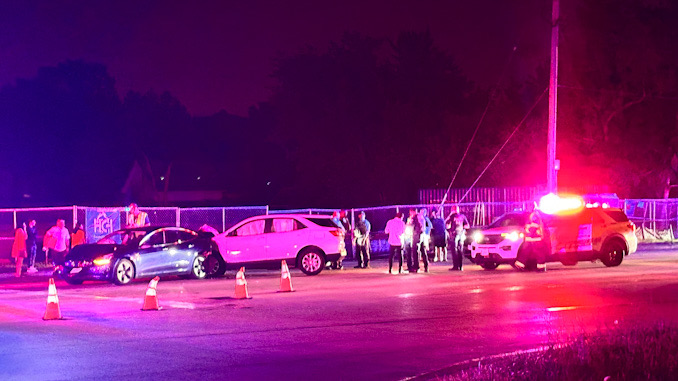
267 210
75 215
653 215
223 219
178 212
14 218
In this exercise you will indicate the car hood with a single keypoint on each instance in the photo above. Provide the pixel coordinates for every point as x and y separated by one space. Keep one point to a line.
504 229
88 252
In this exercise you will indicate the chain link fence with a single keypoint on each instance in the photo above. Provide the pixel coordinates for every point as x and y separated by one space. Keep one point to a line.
657 219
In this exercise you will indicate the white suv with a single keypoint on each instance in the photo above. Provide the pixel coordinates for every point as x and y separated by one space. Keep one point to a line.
305 241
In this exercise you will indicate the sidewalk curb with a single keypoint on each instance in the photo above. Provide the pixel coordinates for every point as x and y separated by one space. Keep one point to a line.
657 246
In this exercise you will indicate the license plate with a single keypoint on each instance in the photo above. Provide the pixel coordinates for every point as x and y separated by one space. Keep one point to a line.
484 253
76 270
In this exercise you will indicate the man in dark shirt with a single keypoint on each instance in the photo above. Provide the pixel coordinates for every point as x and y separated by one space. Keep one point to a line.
32 245
457 224
415 224
362 241
438 236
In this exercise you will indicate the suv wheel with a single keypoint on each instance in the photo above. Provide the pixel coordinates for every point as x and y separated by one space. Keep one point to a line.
613 253
311 261
489 265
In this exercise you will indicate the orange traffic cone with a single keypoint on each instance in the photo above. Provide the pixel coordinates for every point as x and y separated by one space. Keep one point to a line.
52 312
285 278
151 298
241 285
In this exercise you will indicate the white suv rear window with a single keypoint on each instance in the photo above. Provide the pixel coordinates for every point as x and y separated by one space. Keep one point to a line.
324 222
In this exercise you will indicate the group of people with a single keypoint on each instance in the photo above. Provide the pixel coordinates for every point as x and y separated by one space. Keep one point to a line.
58 240
412 239
56 243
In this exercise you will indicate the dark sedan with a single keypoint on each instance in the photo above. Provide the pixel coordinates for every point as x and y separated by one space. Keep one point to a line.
144 252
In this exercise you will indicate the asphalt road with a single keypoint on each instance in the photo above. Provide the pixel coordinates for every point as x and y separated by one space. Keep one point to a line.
349 324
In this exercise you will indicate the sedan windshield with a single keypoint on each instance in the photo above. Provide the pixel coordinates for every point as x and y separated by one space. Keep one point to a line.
509 219
122 237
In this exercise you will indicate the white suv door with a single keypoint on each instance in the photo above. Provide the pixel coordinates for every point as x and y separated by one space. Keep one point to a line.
285 238
247 243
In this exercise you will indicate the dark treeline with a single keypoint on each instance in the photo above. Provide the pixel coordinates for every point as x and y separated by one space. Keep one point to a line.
363 121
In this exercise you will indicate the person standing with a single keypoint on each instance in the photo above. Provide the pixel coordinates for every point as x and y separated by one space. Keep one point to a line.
348 238
395 228
32 246
19 248
416 223
425 241
457 224
439 237
56 242
136 218
362 241
78 235
336 218
532 255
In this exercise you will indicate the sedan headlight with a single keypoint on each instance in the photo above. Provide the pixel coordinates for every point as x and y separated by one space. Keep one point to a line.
103 261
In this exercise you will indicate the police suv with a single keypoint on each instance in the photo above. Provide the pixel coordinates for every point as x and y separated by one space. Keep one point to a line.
572 234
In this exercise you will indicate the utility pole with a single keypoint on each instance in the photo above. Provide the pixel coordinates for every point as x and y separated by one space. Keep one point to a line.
551 167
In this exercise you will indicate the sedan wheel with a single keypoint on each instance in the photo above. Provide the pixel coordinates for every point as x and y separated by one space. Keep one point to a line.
123 272
198 267
312 262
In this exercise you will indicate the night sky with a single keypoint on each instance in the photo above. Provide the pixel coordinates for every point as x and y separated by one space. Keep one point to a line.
219 55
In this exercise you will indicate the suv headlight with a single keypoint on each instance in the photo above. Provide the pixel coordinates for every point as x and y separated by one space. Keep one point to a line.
477 237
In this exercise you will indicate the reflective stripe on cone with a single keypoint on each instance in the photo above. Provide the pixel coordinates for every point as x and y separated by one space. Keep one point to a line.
285 278
151 302
52 311
241 285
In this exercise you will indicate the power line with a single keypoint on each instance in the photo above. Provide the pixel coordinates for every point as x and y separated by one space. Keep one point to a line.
505 143
482 118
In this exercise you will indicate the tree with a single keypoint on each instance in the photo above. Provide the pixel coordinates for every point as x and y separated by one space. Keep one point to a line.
359 120
618 67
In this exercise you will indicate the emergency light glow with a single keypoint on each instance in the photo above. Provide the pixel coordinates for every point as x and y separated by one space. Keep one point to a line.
512 236
554 204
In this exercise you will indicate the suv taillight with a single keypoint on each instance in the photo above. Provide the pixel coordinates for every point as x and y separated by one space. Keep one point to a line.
632 226
337 232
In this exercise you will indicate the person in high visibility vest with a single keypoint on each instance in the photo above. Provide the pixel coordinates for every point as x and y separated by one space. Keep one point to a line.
136 218
535 248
